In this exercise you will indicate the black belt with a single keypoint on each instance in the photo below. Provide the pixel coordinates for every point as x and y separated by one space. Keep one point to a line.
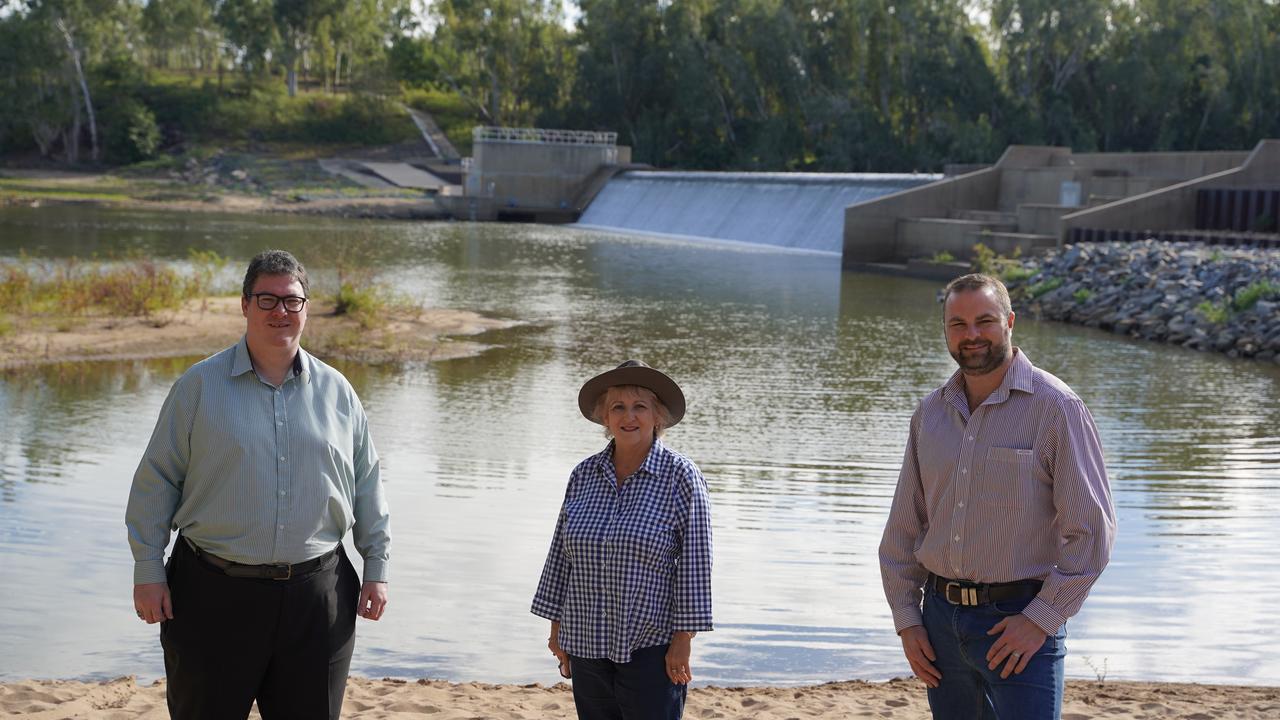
964 592
272 571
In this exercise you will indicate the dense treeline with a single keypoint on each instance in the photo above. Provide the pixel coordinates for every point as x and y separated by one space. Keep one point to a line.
848 85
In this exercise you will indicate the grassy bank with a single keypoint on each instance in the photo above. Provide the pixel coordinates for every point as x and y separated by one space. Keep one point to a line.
136 308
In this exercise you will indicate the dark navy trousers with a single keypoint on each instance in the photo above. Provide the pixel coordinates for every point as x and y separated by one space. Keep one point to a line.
636 690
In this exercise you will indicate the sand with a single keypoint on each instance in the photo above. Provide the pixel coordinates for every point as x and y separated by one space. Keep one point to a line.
205 327
895 699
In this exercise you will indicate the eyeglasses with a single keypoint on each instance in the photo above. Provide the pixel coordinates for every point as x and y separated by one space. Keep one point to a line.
267 301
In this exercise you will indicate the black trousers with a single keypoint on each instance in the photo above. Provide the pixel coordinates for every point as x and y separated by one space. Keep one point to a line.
285 643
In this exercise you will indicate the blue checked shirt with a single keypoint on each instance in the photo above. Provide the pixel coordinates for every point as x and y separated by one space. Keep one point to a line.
628 567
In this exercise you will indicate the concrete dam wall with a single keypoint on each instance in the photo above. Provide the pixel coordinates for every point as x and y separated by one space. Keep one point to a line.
802 211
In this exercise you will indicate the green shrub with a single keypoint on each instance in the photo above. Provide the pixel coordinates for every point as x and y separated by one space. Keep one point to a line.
1016 273
1216 313
984 259
366 303
15 288
1249 296
1082 295
1045 286
942 257
142 134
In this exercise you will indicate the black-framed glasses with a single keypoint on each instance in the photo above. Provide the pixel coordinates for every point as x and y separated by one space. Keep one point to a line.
268 301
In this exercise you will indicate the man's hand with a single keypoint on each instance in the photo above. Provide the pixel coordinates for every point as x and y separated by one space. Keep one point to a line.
1019 640
152 602
373 600
915 645
677 660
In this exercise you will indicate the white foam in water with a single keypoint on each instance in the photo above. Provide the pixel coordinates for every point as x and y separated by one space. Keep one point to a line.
803 211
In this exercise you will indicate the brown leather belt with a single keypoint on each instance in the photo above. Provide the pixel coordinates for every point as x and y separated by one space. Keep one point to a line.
273 571
969 594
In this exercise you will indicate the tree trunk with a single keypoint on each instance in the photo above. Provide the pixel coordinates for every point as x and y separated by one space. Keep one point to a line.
337 68
84 89
494 97
292 78
71 141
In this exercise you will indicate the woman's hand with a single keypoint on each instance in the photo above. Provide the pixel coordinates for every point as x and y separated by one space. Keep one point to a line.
553 644
678 658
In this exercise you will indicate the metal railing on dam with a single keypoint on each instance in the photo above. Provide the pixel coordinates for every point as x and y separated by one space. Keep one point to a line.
801 211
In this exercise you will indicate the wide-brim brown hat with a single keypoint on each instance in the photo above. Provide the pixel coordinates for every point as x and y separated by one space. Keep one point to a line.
632 372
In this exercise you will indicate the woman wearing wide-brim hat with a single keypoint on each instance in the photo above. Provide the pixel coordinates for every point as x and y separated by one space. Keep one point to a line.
627 582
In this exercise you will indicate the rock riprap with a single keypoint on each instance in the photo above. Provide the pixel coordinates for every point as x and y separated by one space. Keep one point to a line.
1204 297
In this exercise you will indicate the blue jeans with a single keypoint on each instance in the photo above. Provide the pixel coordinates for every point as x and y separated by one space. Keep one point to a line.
969 691
637 690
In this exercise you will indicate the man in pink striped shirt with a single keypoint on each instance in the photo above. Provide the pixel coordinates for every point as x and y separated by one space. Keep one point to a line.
1001 522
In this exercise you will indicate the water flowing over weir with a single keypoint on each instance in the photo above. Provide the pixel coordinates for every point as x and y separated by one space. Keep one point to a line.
802 211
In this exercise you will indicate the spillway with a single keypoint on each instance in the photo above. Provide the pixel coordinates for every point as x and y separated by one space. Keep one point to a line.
801 211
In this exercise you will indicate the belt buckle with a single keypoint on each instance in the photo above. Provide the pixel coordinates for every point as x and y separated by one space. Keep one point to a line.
968 595
288 571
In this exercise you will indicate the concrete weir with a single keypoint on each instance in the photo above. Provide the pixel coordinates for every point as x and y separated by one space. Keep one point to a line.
801 211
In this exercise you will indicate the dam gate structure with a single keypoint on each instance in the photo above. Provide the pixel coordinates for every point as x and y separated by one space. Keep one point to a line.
533 174
1038 197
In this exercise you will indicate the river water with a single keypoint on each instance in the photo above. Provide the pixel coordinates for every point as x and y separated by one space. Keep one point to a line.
800 380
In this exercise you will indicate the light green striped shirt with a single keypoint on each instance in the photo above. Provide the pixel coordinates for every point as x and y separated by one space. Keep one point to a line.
259 474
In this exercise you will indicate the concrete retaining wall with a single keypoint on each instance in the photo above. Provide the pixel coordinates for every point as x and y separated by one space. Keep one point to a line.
1174 207
1166 165
870 228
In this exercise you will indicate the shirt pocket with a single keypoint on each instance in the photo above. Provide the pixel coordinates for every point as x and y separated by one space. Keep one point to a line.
1009 479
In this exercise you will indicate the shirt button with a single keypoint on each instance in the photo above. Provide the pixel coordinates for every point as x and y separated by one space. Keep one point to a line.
957 538
959 504
963 471
282 458
970 438
281 527
281 493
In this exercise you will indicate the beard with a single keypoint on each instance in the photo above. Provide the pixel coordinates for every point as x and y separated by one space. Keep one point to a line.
981 358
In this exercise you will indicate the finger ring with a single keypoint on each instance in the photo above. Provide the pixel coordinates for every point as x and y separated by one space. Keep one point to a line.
1016 655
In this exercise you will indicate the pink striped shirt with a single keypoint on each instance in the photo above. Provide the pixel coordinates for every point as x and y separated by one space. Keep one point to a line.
1017 490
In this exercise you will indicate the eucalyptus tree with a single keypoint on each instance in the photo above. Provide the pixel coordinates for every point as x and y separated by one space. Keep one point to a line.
1041 48
507 58
50 50
181 28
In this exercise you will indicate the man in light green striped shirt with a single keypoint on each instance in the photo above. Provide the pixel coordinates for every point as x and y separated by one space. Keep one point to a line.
261 460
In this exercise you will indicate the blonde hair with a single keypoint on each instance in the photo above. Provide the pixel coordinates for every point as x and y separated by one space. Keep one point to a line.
663 416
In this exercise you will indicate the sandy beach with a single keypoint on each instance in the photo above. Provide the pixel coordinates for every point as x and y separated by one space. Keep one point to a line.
896 699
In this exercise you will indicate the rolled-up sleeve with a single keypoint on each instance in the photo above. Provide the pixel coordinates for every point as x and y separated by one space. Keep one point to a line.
548 601
901 573
1086 517
157 483
692 601
371 533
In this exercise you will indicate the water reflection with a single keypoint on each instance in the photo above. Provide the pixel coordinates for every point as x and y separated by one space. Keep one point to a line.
801 381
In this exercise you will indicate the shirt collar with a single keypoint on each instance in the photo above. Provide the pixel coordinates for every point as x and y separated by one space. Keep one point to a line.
1019 376
650 464
241 364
